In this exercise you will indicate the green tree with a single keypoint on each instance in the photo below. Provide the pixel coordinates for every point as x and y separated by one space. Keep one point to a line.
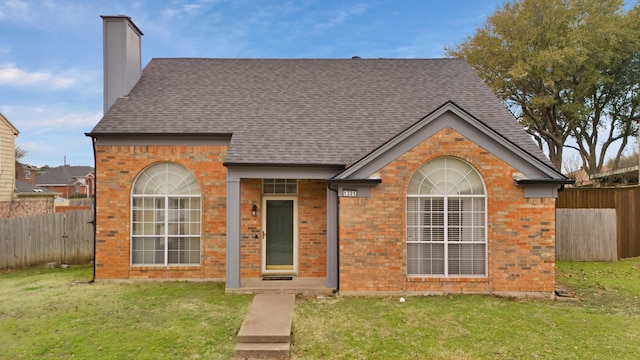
566 69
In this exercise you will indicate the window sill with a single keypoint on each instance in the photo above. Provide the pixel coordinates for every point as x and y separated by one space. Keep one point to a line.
465 279
163 267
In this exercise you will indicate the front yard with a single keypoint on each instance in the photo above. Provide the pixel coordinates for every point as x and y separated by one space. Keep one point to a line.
55 314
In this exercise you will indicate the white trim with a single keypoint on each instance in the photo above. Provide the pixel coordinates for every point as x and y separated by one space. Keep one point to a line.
263 241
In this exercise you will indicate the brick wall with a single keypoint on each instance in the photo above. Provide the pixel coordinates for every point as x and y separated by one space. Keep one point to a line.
312 228
312 224
117 168
521 232
250 231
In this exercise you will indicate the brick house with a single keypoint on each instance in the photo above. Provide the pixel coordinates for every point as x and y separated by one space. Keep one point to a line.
68 181
377 176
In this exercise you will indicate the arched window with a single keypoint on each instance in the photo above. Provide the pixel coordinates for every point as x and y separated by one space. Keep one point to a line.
165 217
446 220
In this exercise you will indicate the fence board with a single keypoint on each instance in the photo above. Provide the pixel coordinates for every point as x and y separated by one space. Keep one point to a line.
35 240
586 235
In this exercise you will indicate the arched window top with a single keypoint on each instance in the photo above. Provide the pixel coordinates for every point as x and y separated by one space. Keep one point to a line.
446 176
166 179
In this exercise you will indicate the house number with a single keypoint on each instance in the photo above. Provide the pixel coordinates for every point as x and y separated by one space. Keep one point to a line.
349 193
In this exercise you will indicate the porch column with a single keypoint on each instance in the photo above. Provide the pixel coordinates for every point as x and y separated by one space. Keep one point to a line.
233 234
332 239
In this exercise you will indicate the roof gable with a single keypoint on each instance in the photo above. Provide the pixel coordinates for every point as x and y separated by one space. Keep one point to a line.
449 115
12 128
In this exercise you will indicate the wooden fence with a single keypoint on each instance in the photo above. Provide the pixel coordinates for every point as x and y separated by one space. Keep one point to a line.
583 229
586 235
65 238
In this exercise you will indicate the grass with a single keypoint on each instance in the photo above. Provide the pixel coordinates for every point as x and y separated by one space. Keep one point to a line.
605 324
56 314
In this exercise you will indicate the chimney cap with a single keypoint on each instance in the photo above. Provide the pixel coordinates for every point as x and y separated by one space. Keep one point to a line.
120 18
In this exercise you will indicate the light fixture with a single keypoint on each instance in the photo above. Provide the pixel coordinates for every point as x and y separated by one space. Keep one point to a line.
254 210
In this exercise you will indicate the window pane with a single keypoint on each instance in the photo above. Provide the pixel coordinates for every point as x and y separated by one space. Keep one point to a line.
466 259
280 186
147 251
184 250
425 259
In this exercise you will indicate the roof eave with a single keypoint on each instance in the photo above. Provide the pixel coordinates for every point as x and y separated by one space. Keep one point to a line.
294 165
543 181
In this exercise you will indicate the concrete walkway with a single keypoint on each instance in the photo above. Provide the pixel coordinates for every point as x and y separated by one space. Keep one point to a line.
266 330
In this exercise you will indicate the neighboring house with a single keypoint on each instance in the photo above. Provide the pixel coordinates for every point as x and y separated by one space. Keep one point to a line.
26 173
18 198
379 176
619 177
68 181
8 133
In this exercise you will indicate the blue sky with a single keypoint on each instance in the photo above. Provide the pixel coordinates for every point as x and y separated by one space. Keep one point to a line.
51 50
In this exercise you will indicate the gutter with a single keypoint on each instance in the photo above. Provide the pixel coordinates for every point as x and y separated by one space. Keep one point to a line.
95 208
543 181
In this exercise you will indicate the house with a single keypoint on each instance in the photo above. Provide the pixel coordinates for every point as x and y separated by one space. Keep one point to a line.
8 133
377 176
67 181
26 173
17 197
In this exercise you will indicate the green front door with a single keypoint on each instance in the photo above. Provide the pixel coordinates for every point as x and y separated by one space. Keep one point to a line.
279 242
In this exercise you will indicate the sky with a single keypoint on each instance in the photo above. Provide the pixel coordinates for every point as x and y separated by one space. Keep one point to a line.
51 85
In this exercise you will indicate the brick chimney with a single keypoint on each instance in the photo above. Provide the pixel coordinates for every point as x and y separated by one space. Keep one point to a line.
122 57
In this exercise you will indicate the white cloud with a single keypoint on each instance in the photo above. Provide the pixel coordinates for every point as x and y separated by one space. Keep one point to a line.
49 133
192 9
11 75
14 9
45 120
341 16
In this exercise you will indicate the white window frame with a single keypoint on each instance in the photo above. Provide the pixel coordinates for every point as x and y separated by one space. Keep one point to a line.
446 196
163 213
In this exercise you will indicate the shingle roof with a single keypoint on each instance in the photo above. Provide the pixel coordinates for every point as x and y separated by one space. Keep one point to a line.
303 111
62 175
24 187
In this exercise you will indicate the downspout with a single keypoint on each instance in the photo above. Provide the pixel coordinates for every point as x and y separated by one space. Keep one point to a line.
95 208
337 238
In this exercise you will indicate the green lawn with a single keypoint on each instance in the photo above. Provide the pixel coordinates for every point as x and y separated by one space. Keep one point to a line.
55 314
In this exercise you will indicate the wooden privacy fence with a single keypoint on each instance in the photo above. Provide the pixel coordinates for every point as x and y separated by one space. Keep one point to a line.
593 224
586 235
65 238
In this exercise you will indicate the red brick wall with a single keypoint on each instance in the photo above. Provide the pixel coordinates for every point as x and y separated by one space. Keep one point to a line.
521 232
312 228
312 224
117 168
250 227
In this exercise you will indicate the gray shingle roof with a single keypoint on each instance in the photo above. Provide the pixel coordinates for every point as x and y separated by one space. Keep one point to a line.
303 111
24 187
62 175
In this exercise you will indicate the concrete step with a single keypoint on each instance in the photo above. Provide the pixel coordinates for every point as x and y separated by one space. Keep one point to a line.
268 320
262 351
